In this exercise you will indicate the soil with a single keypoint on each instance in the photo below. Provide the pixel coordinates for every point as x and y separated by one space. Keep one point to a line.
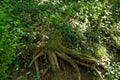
67 73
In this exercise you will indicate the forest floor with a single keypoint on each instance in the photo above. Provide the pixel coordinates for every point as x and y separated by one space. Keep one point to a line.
67 72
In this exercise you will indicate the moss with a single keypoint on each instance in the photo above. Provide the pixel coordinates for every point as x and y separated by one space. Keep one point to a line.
54 41
101 51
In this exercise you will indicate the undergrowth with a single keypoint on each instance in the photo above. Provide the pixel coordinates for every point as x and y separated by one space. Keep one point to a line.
85 32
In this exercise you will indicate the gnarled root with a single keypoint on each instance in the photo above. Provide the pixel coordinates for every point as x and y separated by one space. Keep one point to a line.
55 66
69 60
35 58
55 49
37 70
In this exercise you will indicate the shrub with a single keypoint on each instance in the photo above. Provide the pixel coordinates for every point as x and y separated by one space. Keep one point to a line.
9 38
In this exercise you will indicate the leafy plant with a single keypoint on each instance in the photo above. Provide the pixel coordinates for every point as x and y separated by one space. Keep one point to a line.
30 29
9 38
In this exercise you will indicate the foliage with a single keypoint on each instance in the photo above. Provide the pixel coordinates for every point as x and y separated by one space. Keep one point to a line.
10 30
90 27
113 71
116 9
8 40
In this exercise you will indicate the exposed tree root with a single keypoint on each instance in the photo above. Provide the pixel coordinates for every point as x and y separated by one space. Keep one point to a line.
55 49
37 70
98 73
55 65
43 72
35 58
83 64
71 61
